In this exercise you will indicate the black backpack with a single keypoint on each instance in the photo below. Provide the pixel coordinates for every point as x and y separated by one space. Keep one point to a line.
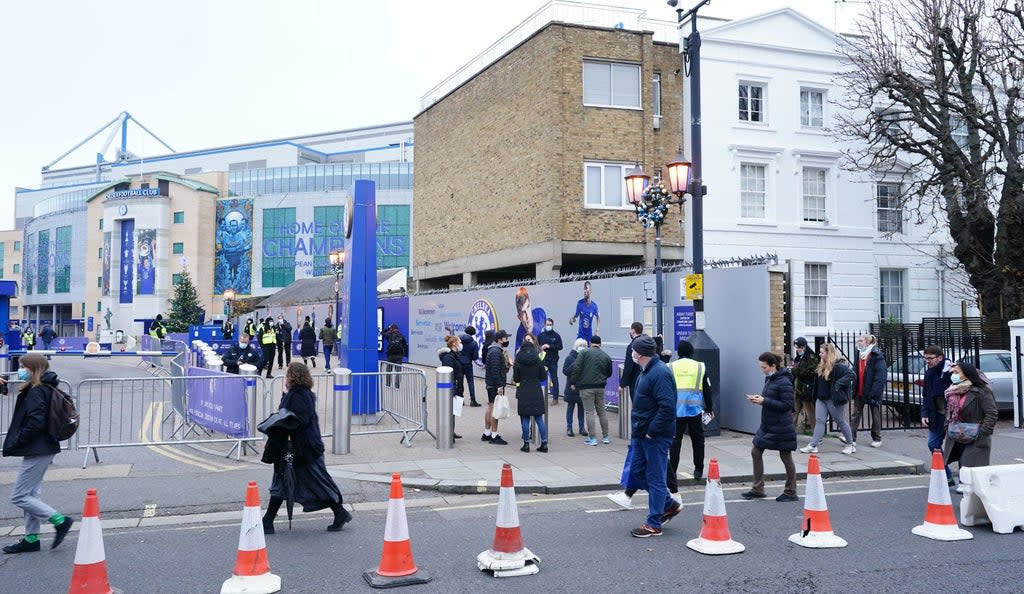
396 345
63 418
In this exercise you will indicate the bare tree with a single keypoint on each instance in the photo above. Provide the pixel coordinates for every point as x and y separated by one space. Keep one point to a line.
934 97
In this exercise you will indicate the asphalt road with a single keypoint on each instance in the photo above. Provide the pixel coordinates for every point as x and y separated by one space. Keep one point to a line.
584 546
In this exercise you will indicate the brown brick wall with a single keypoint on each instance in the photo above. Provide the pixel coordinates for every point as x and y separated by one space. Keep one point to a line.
777 300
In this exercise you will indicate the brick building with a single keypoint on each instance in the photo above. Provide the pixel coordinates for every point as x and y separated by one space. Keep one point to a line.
521 156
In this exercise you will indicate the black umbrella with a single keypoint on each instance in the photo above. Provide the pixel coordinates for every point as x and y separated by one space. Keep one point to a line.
288 480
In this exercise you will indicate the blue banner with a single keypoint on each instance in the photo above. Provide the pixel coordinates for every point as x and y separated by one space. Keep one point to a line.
233 246
127 254
146 270
217 401
684 323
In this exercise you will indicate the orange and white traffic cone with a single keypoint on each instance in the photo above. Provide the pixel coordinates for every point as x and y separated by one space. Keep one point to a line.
89 575
939 519
714 536
396 567
508 557
817 532
252 568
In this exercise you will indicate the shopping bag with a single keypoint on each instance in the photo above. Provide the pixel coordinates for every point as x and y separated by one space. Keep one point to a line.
501 409
457 402
628 481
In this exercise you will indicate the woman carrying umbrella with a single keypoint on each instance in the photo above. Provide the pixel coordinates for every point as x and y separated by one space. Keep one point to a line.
297 452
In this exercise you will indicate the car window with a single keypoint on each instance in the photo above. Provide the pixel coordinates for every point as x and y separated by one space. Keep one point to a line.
915 363
994 363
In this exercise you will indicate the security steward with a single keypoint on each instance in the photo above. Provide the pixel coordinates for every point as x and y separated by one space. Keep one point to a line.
268 340
28 338
242 353
156 329
693 399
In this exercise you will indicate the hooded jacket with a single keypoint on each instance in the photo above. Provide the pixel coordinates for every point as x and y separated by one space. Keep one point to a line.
28 433
470 350
528 372
450 359
872 385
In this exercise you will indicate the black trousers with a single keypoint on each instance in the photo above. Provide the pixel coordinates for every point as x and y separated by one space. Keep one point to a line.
268 357
467 377
552 364
284 353
695 427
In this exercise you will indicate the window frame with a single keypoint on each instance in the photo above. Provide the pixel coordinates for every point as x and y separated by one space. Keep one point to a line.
611 84
883 303
656 99
898 209
812 295
603 165
824 197
765 201
178 248
174 217
809 125
763 111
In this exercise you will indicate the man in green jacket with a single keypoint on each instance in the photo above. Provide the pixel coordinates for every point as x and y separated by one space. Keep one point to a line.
590 374
328 336
805 365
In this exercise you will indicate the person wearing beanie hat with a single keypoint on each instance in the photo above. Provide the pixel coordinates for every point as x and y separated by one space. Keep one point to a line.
590 375
805 364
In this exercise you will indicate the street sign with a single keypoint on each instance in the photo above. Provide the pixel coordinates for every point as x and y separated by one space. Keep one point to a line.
694 287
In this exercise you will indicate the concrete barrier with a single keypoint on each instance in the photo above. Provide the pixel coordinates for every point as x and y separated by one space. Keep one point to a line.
993 494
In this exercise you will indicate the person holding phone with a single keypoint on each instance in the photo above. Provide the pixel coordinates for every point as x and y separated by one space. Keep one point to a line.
776 431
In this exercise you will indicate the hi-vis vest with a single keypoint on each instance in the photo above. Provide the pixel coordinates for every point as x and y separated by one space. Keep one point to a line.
268 335
30 337
689 376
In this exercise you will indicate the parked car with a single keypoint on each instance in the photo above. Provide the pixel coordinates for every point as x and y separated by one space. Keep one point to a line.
903 390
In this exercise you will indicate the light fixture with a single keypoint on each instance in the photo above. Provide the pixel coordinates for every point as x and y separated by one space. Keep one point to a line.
636 183
679 175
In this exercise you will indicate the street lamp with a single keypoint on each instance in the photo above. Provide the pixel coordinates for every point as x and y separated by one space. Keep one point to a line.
229 297
337 259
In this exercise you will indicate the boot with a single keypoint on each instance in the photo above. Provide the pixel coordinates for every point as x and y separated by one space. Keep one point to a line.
268 518
341 517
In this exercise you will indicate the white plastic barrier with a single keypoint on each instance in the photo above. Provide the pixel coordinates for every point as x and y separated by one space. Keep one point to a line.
993 494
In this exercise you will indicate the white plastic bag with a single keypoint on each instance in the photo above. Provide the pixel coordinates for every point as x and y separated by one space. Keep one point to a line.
457 402
501 410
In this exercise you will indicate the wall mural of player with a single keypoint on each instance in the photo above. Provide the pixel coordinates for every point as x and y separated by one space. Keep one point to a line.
234 246
587 314
145 267
531 319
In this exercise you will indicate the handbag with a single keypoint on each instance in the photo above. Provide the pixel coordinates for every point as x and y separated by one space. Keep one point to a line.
961 432
501 409
281 418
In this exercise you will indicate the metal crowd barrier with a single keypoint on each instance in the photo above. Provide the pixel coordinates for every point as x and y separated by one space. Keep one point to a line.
7 405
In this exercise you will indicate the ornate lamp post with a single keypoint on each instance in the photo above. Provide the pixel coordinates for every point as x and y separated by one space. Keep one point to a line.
337 260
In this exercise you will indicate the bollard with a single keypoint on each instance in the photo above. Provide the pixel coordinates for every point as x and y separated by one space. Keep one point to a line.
5 360
445 422
342 443
213 363
625 412
250 372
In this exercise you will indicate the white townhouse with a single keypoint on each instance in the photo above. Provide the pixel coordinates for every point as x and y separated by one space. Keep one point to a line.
773 168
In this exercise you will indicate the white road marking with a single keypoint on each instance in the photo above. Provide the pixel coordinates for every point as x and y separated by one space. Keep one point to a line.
149 511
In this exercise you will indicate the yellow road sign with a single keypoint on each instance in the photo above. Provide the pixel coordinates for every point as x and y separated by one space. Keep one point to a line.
694 287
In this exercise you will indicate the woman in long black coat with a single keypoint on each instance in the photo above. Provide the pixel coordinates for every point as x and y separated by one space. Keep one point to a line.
970 400
314 487
307 342
776 431
449 356
528 372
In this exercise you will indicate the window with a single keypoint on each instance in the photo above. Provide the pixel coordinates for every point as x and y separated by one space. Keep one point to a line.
890 210
328 235
751 102
890 300
753 192
609 84
604 185
889 123
17 246
816 294
62 260
179 217
29 277
958 130
815 197
193 170
656 97
1 259
995 363
178 248
99 306
393 236
176 279
43 263
812 108
17 268
99 282
101 224
278 247
99 255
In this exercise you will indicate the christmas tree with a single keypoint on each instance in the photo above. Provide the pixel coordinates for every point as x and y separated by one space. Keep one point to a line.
185 310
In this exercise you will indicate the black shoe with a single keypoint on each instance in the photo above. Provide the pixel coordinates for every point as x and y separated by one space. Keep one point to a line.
22 546
268 525
785 497
671 512
752 495
584 433
341 517
62 530
698 473
486 437
497 440
475 404
525 448
569 433
543 448
456 436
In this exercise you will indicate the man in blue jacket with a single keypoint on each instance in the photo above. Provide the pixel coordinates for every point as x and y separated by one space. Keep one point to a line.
933 399
654 426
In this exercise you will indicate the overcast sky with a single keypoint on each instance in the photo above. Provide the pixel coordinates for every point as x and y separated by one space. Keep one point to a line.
202 73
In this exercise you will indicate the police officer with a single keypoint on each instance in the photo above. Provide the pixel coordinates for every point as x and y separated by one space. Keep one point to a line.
268 340
242 353
28 338
156 329
693 399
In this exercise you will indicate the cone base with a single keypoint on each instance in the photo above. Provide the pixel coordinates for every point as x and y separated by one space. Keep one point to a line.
267 583
522 562
818 540
375 580
715 547
948 532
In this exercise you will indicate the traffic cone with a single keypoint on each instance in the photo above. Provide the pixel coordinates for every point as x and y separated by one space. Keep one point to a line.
396 567
252 568
817 532
714 536
89 575
508 557
939 519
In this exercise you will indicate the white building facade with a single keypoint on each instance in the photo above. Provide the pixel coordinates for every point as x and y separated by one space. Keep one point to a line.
774 170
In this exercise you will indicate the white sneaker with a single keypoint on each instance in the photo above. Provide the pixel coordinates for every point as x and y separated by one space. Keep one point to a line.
850 449
960 488
842 439
809 449
621 499
675 497
876 444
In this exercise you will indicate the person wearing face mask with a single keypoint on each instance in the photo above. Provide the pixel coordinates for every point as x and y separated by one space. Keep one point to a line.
969 400
242 353
590 374
551 343
572 393
804 367
776 431
468 355
869 384
284 342
495 375
449 357
528 372
933 399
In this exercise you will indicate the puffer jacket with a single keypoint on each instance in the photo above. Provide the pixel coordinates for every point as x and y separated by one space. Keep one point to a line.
776 431
28 433
654 404
528 372
869 389
307 341
838 387
470 350
451 359
494 367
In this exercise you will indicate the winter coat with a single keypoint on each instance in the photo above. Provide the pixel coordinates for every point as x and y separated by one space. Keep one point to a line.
284 332
236 356
450 359
592 369
776 431
495 373
630 370
470 350
933 396
874 378
328 336
307 341
528 372
654 403
29 433
396 348
979 407
306 440
838 387
571 391
805 374
554 341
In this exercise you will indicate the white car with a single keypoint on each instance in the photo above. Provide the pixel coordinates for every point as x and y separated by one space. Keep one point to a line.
903 390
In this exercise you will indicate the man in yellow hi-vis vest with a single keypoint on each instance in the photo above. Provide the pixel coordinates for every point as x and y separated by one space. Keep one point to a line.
693 399
268 341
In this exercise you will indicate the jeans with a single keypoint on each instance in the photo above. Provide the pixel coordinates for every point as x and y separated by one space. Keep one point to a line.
876 419
593 401
936 435
542 427
824 408
695 427
26 490
327 355
650 464
467 371
787 460
551 363
570 405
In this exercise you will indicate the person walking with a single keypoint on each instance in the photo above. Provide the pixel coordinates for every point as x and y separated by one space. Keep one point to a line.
590 374
284 342
969 400
933 399
693 400
653 427
47 335
468 355
28 436
328 336
527 373
869 385
314 488
776 431
495 373
268 342
307 343
804 367
449 357
250 327
396 350
572 393
157 329
242 353
832 390
227 330
551 343
630 373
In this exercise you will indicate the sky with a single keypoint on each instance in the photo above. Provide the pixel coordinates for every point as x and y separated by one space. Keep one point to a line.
204 73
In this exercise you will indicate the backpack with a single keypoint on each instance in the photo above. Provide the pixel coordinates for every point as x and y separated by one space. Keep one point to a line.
396 345
63 418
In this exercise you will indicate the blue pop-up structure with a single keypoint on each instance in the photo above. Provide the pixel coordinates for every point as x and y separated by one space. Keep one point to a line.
357 338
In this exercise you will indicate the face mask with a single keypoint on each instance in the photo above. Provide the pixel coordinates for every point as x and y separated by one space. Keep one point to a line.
581 349
549 328
636 358
244 345
23 374
955 378
458 348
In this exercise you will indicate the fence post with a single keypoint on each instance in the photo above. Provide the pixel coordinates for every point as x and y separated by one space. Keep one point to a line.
445 429
625 411
342 441
5 359
250 372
